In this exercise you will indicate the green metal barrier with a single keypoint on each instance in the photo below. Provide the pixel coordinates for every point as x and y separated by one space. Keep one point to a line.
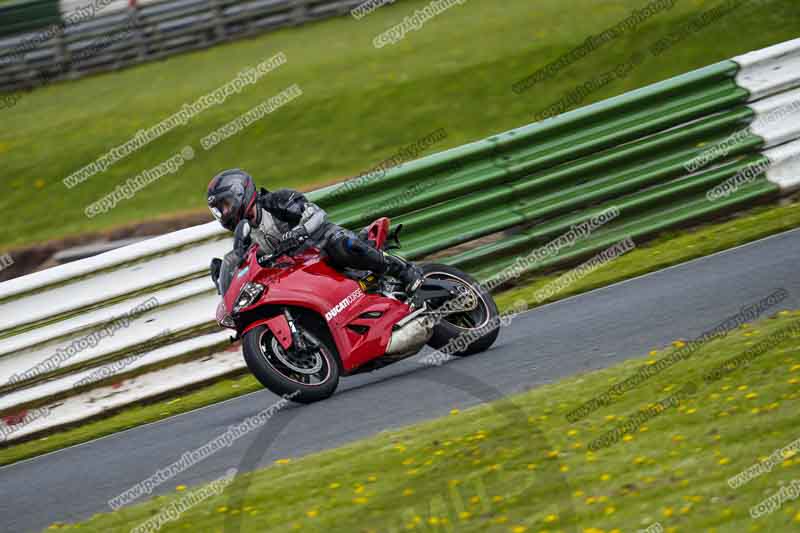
630 152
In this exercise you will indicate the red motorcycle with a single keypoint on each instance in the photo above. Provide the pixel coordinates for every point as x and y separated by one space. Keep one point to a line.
303 324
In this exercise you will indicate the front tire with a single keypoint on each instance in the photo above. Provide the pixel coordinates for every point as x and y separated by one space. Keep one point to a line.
481 324
307 380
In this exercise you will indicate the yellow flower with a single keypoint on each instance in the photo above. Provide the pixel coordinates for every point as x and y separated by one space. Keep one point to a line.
360 500
497 499
794 368
334 486
627 438
564 468
408 492
180 488
667 511
551 518
464 515
610 510
283 461
519 529
454 411
222 509
751 395
724 461
312 513
679 344
552 454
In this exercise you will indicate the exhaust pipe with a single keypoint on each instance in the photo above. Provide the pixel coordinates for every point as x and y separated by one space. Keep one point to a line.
409 338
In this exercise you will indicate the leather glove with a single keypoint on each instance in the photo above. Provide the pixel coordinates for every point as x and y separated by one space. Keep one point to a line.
292 239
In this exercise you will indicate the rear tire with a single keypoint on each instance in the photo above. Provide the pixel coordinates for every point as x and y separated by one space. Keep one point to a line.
259 353
487 314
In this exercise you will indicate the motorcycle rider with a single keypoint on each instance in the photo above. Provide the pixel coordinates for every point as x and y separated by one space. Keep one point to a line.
285 219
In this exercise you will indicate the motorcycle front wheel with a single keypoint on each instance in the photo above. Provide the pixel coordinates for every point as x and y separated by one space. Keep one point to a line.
303 377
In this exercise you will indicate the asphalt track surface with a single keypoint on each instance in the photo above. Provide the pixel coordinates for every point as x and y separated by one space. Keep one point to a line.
576 335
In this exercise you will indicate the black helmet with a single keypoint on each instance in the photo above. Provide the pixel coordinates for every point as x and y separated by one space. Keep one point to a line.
231 194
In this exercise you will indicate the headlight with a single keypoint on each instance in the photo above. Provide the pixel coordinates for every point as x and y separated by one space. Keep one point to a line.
223 318
249 294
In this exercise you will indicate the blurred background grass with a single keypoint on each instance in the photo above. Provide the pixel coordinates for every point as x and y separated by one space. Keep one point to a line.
360 104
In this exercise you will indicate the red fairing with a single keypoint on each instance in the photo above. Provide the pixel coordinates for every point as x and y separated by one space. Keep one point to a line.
308 281
378 231
279 327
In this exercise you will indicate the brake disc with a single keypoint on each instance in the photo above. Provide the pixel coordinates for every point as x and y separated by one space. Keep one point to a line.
313 367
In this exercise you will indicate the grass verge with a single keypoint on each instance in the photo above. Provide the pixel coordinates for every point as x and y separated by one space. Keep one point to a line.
517 465
668 249
360 105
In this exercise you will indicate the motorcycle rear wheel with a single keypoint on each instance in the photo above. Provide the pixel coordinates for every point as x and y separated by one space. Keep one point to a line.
302 378
477 329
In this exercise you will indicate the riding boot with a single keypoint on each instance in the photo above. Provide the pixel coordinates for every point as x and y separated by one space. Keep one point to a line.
408 273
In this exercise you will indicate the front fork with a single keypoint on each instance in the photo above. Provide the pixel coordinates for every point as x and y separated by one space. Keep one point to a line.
298 339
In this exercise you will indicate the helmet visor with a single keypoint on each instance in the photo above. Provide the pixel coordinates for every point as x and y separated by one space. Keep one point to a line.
224 210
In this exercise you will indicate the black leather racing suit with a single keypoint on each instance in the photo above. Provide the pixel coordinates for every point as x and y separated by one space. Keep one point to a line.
287 209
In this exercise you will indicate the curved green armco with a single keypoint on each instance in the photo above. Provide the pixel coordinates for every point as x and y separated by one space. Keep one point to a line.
682 149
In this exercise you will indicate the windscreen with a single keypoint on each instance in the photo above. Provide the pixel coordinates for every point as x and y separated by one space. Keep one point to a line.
227 272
